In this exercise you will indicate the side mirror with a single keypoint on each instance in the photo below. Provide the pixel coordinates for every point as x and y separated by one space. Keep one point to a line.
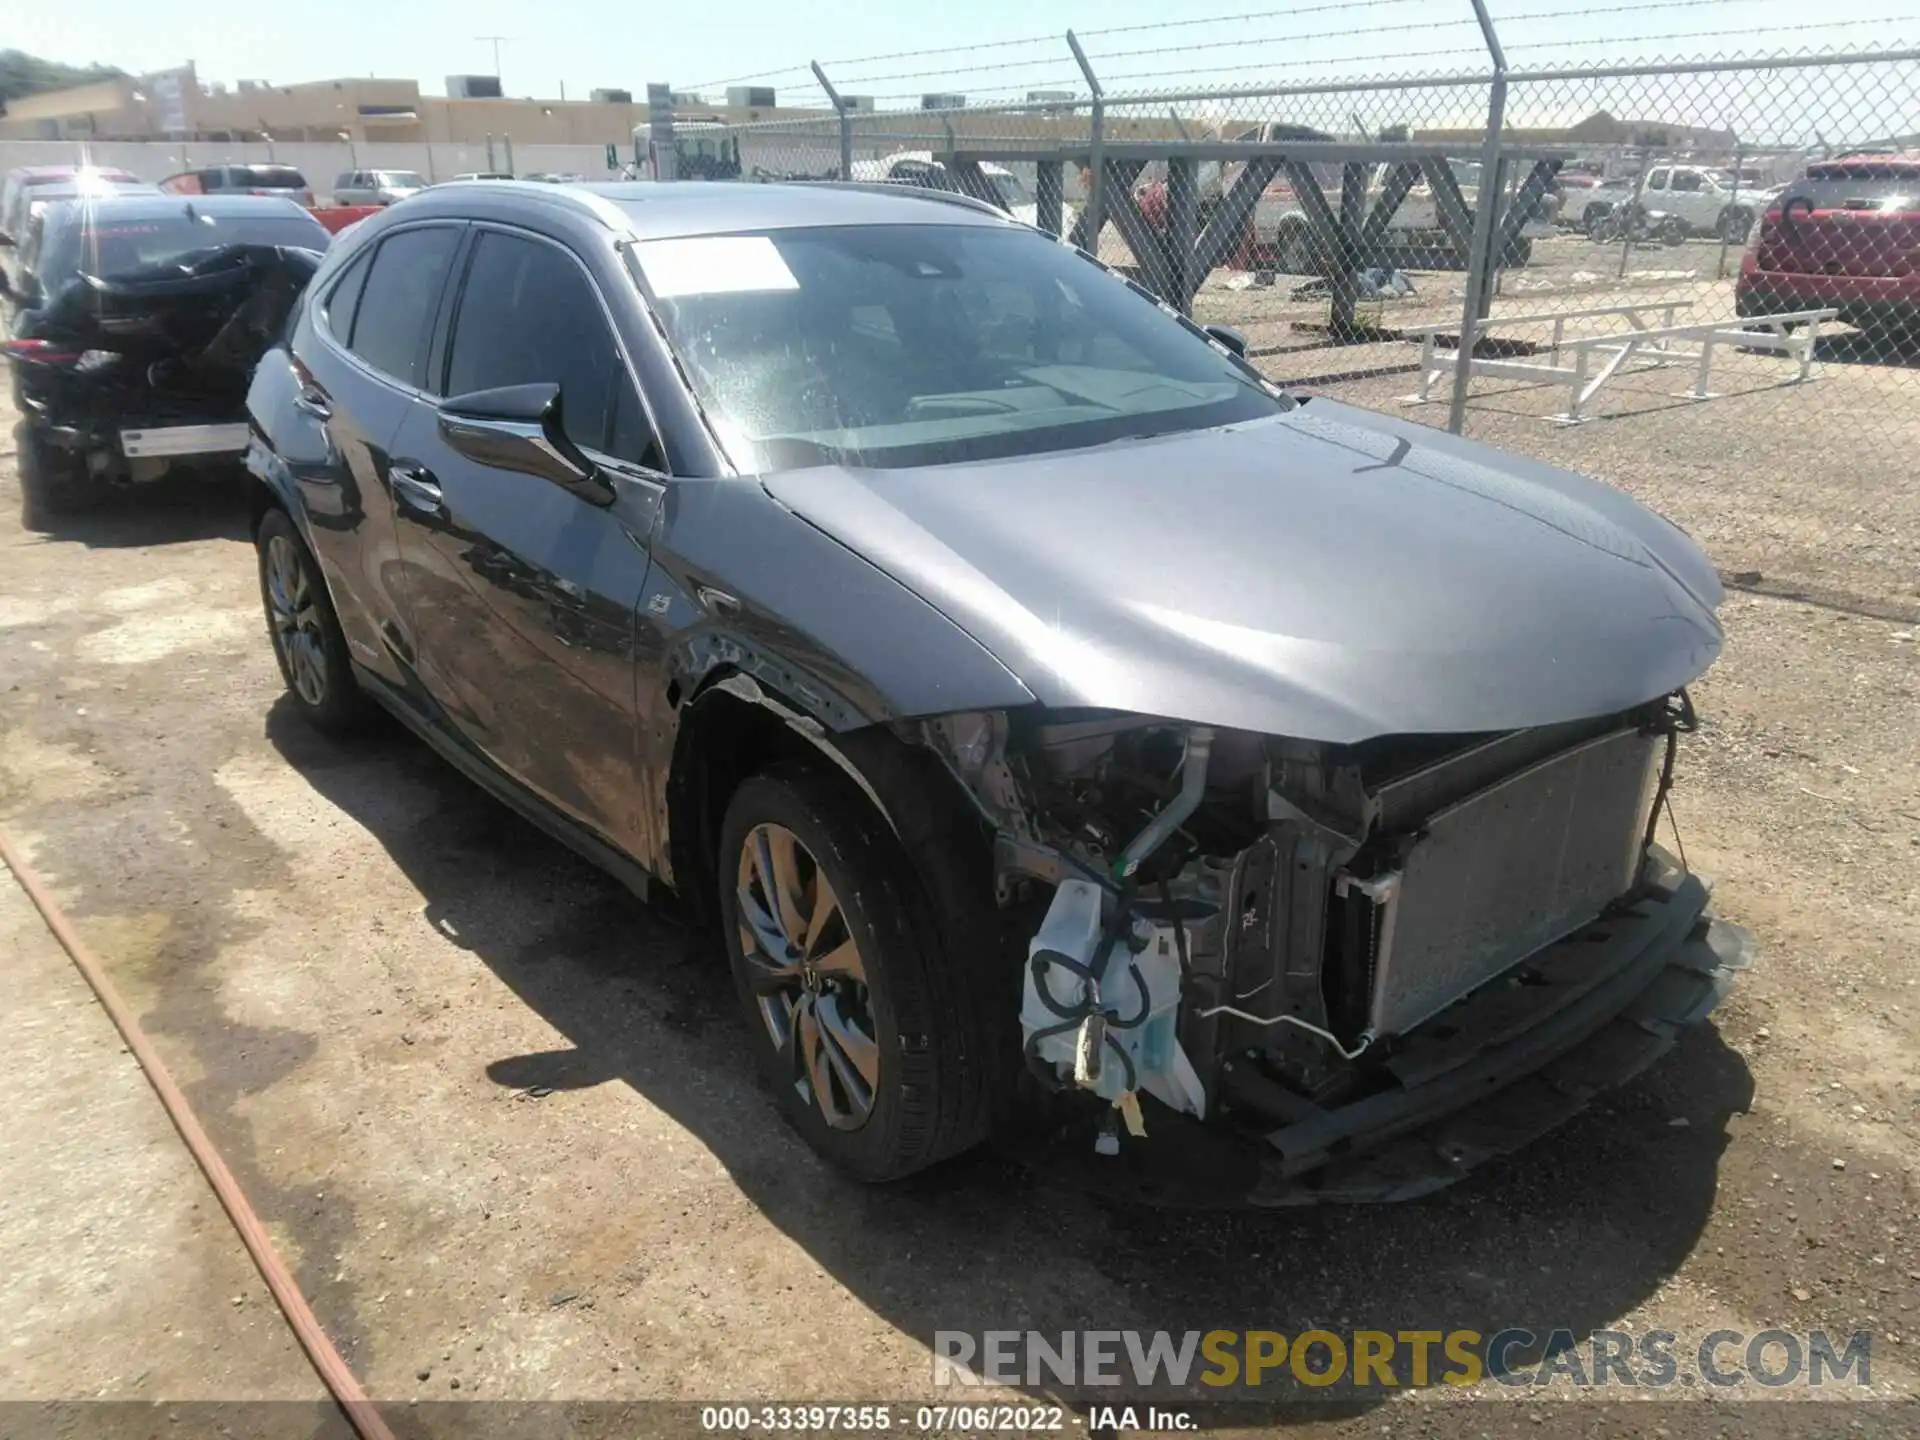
519 427
1229 337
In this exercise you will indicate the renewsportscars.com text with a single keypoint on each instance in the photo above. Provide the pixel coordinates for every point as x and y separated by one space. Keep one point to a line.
1388 1359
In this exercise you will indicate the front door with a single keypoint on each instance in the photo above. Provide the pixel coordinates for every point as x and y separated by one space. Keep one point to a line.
523 595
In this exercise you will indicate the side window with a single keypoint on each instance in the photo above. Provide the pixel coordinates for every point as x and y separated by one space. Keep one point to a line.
1657 180
528 314
1686 180
344 296
398 300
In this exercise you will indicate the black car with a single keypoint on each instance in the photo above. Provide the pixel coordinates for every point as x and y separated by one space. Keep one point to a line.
136 322
1076 738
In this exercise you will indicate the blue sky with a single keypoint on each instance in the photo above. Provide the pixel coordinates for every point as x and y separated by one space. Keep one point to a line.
586 43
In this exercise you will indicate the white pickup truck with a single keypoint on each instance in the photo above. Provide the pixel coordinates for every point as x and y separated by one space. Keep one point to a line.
1708 201
1280 225
1702 199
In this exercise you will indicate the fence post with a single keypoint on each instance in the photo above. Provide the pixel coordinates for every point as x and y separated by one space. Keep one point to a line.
1635 208
846 121
1481 257
1739 158
1096 147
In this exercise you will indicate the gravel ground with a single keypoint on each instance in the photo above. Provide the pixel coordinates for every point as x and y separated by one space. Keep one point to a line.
500 1118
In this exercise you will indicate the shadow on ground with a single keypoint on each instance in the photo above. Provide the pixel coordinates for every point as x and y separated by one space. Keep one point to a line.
187 504
1572 1233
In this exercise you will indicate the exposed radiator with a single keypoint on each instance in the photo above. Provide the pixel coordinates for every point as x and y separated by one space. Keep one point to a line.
1506 871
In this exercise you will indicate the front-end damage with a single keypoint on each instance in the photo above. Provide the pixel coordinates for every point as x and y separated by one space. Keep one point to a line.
1368 965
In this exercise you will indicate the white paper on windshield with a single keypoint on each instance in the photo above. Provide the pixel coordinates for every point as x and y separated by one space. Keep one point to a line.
714 265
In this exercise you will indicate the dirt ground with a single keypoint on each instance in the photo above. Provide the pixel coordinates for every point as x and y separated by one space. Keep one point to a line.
501 1120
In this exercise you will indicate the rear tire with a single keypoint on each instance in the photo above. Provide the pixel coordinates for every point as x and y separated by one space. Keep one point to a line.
1735 225
52 482
1293 247
906 1082
305 633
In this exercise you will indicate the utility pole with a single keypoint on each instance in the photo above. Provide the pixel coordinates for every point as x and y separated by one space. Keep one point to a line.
495 40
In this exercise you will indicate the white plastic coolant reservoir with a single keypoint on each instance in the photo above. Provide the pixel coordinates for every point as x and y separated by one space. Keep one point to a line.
1072 928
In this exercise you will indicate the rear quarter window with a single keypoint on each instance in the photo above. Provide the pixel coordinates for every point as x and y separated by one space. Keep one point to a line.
344 297
397 304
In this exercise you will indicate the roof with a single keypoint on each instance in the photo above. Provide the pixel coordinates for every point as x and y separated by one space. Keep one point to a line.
652 210
159 205
656 210
38 175
93 188
1876 165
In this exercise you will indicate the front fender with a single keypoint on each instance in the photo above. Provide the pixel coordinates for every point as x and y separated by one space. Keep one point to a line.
740 583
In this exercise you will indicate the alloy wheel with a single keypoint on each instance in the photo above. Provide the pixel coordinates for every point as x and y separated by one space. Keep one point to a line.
295 618
808 977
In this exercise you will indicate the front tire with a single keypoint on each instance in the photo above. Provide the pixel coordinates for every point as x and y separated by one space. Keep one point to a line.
307 640
854 1009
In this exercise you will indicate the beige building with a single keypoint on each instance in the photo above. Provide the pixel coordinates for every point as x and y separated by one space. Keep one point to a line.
175 105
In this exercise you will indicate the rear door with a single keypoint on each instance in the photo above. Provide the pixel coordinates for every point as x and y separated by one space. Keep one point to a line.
523 595
358 361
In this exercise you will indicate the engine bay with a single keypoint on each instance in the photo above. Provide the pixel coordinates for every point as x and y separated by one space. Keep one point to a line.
1246 922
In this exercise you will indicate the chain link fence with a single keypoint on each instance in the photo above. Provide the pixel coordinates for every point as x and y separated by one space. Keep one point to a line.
1699 280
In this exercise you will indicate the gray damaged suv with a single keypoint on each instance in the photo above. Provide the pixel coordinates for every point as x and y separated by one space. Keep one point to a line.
1077 739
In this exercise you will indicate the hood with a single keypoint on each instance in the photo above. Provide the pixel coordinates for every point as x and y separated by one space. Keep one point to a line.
1329 574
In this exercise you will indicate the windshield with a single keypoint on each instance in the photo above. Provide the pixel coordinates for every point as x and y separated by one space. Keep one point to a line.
906 345
400 180
76 244
1010 190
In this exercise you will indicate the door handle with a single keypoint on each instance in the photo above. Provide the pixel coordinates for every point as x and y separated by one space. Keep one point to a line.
414 486
311 402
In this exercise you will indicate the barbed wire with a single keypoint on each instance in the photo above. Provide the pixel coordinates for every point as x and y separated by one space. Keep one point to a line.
1056 38
1250 72
1302 38
1247 69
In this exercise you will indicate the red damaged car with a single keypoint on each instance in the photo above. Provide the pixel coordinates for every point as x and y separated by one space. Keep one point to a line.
1846 234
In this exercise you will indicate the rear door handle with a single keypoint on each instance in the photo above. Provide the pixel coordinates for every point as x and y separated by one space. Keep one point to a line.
415 487
311 402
